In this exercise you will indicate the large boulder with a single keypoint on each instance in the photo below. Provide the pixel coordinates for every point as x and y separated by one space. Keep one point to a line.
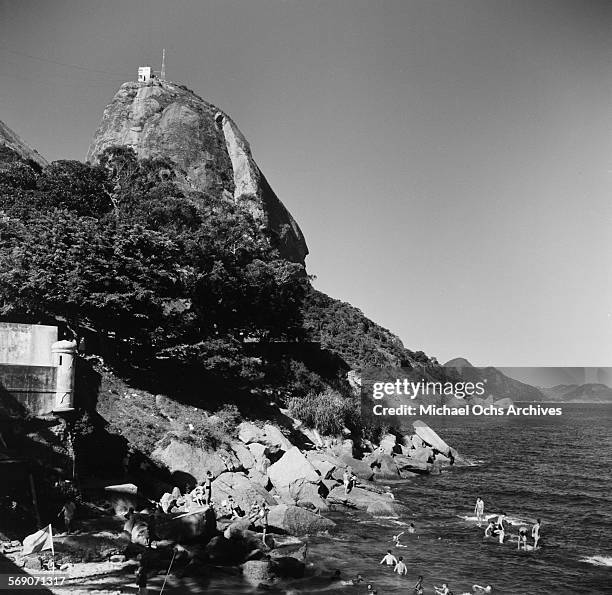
256 572
269 435
430 437
388 444
360 468
383 464
321 463
288 567
244 491
243 454
182 457
297 521
184 527
307 494
292 466
390 509
358 497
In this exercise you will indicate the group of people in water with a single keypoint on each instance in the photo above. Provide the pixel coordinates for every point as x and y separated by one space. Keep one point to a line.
498 527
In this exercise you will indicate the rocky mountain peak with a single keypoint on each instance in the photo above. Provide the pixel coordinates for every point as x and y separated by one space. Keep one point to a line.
163 119
12 140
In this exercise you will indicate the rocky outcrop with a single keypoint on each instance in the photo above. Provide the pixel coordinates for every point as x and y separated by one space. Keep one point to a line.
297 521
13 141
167 120
182 457
244 491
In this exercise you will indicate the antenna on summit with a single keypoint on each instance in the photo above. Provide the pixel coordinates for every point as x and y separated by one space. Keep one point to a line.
162 75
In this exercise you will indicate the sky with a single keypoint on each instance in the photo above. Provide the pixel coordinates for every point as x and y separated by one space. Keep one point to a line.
449 162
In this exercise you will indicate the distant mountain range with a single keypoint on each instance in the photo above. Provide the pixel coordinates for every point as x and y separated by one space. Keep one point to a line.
501 384
579 393
498 384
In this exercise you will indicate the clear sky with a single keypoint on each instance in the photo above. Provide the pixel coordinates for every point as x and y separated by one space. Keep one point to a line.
450 163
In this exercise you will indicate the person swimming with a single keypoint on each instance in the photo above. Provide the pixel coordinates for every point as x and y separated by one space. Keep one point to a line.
478 590
389 559
443 590
400 567
411 529
396 540
522 538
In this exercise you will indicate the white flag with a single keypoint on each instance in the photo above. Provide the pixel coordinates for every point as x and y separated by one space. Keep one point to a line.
39 541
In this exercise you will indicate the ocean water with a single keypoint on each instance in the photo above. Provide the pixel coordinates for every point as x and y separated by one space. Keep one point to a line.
557 469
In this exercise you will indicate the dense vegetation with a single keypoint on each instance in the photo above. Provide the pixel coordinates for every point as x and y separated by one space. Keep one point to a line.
141 271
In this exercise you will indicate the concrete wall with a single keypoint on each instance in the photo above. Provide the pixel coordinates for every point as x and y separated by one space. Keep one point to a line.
28 374
26 344
28 389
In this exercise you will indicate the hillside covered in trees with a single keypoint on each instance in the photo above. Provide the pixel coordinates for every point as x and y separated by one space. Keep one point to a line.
164 283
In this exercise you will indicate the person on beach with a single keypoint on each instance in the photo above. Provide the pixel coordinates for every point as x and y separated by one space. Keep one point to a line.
235 510
208 488
535 533
346 480
400 567
263 516
479 510
418 588
389 559
68 511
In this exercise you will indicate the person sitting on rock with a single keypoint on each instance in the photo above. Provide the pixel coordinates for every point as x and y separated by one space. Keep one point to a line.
208 487
389 559
236 511
489 530
400 567
198 495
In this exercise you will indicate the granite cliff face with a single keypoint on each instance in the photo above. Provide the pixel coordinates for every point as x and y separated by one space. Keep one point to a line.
165 119
13 141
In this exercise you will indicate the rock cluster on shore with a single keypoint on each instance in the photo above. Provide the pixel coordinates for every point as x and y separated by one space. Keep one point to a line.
263 467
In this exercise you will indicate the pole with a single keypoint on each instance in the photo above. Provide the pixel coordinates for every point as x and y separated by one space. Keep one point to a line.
163 68
34 500
168 572
52 546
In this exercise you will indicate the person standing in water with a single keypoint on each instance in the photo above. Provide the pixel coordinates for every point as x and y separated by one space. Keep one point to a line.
400 567
418 588
389 559
535 533
479 510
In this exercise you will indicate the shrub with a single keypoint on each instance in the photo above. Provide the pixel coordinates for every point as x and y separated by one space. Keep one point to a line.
328 412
